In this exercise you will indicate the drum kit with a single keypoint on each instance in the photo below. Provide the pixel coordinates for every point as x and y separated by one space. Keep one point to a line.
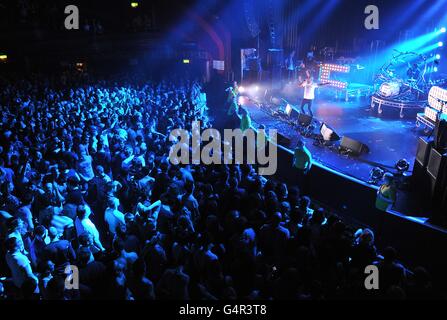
403 78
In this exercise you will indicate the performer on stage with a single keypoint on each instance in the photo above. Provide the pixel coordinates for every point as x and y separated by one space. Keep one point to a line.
233 97
290 63
309 94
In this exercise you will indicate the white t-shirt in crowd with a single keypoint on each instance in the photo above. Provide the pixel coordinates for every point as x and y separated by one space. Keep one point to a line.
86 225
309 90
20 267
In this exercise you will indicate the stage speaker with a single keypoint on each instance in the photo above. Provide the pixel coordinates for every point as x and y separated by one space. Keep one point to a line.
442 211
304 119
275 59
354 146
423 151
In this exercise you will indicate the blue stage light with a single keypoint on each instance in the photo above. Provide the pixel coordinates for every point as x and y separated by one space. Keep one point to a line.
438 56
435 69
440 44
443 30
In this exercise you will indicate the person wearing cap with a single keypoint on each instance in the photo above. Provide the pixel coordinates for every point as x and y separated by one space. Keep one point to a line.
386 195
245 120
58 249
18 263
302 158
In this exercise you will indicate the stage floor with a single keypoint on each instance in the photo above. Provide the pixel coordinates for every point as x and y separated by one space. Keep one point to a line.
389 139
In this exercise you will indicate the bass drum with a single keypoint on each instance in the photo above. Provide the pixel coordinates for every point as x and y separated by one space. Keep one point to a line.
389 89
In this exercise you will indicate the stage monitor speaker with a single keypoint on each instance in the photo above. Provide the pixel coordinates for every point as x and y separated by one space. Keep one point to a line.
291 112
436 163
354 146
440 134
437 172
423 151
328 133
421 183
304 119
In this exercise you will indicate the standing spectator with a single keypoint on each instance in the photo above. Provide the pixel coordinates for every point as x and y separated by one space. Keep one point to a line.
273 238
113 217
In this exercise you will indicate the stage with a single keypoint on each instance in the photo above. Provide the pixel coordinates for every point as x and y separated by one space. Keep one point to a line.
389 138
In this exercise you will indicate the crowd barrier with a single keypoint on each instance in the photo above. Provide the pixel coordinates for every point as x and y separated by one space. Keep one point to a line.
418 244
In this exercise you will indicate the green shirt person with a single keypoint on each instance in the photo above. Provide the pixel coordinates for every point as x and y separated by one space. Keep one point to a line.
302 159
245 120
386 195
